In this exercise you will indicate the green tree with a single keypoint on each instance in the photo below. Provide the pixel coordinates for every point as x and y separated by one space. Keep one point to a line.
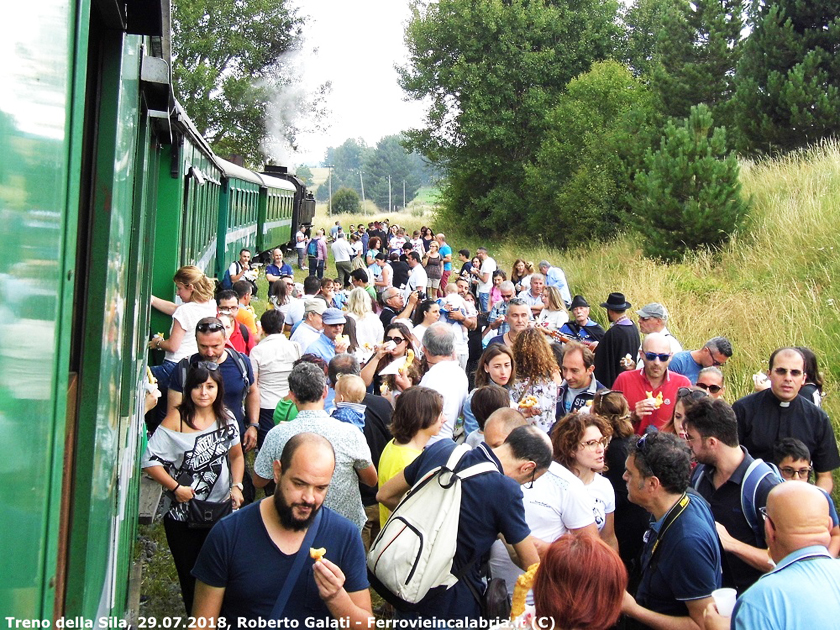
788 81
390 158
696 53
227 66
491 70
304 173
688 196
595 138
643 21
346 201
347 160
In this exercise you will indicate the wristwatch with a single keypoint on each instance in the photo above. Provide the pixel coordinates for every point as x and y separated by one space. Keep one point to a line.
237 485
254 425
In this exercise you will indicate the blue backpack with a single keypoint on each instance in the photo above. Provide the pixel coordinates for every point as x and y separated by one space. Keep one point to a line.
757 471
312 248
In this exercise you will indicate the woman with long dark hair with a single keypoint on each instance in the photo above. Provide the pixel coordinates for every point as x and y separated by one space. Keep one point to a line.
426 314
495 367
396 343
195 454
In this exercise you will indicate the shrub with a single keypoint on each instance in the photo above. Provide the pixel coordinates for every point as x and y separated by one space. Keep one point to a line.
688 195
346 201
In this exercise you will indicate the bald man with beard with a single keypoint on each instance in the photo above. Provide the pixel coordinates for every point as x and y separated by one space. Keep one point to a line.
803 591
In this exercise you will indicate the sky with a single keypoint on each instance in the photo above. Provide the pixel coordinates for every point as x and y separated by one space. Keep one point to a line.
358 43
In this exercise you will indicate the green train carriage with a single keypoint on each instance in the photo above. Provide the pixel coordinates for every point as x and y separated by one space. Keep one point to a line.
239 206
276 213
84 118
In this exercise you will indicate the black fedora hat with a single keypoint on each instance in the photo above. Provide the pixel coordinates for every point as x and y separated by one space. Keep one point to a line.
579 301
616 302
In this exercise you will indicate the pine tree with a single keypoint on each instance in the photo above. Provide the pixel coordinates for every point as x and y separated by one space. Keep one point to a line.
688 196
788 80
696 53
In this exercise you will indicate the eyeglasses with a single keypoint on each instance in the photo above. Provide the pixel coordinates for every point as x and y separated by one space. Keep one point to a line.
592 445
210 327
652 356
689 440
530 484
710 388
208 365
715 362
765 515
804 473
780 371
396 340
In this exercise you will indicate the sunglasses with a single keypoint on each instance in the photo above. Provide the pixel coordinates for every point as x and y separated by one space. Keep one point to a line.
210 327
690 392
715 362
396 340
208 365
653 356
641 444
780 371
710 388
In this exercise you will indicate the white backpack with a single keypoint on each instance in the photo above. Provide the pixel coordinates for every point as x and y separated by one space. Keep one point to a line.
414 551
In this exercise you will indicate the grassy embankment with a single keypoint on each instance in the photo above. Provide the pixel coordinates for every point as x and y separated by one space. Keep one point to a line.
771 286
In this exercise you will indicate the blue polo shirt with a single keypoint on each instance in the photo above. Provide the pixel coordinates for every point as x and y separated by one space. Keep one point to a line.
480 523
322 347
803 591
686 565
240 557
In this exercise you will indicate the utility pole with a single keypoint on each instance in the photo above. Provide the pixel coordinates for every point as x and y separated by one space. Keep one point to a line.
403 194
329 207
389 194
362 182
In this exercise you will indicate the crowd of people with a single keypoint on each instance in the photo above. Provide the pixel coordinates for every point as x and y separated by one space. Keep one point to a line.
616 464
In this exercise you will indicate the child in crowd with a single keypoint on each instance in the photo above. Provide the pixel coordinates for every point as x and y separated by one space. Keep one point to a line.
486 400
349 394
794 462
499 276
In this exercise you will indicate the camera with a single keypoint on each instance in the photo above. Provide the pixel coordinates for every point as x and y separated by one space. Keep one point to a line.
421 295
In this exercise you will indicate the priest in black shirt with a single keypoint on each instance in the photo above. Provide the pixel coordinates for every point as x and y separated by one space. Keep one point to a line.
766 417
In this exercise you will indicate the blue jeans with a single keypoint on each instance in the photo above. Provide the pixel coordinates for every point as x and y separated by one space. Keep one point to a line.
484 302
316 267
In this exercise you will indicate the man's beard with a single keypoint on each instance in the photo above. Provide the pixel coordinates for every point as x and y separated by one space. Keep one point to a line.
286 514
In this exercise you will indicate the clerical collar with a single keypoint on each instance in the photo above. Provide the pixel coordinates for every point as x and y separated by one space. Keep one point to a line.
784 403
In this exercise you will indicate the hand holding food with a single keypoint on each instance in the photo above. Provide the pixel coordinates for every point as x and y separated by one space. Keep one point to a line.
528 402
524 583
409 359
317 554
627 363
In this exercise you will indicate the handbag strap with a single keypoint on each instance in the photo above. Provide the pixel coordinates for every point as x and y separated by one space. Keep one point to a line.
292 576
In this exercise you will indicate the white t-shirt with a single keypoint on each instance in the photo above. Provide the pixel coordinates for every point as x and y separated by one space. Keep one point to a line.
369 329
554 319
342 251
294 312
488 267
188 315
450 381
603 492
300 240
417 279
557 503
272 359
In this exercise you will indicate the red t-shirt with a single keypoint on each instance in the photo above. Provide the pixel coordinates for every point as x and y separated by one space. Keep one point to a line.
636 387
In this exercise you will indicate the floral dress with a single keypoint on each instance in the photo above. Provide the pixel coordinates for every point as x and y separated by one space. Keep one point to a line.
545 391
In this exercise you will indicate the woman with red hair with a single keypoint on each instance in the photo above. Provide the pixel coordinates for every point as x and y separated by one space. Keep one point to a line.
580 584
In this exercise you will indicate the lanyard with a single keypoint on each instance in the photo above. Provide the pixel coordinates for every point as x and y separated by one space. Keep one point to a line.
673 514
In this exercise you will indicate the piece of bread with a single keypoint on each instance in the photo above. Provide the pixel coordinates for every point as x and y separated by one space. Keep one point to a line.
317 554
524 583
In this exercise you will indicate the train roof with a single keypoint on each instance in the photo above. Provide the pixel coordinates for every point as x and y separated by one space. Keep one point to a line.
231 170
276 182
